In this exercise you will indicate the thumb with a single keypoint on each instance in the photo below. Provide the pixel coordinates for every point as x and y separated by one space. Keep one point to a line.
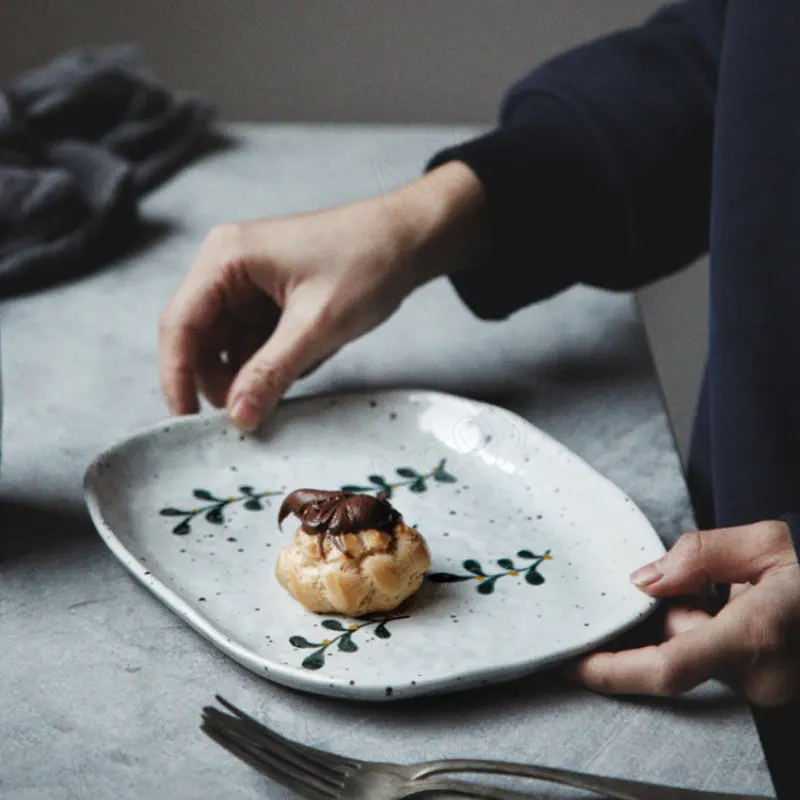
724 555
298 342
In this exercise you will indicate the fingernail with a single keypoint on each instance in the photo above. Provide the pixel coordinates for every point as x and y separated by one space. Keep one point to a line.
647 575
245 413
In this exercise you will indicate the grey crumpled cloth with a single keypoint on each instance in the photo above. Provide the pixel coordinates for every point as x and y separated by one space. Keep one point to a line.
81 139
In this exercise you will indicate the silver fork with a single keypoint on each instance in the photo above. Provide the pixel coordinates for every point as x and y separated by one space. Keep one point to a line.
320 775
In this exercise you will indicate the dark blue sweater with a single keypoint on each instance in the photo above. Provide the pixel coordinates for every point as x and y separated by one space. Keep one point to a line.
622 161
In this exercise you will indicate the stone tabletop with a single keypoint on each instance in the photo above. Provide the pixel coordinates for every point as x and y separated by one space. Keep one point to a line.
101 686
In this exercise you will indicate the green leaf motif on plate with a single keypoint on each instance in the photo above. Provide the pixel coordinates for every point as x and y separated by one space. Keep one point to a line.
409 478
215 516
487 586
448 577
171 512
300 641
382 632
315 660
486 583
214 510
344 641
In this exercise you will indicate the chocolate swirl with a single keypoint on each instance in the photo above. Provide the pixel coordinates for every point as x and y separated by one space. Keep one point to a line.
325 513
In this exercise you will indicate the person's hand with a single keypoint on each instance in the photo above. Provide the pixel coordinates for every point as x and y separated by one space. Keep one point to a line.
753 644
267 301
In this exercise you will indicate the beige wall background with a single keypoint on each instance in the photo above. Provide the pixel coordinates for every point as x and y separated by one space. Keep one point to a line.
335 60
385 61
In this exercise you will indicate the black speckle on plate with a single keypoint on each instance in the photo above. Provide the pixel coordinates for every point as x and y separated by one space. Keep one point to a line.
201 599
389 691
393 415
373 404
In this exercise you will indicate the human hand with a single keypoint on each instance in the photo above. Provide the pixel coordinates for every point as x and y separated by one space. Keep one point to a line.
752 644
267 301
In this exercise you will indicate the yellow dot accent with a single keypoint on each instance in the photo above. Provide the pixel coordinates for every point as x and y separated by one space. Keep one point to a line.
231 499
352 627
514 573
326 641
195 511
548 558
479 578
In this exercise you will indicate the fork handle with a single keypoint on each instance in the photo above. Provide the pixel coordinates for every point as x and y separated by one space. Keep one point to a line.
414 789
607 787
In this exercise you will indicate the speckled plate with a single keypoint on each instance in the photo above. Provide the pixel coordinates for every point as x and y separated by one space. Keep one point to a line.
531 548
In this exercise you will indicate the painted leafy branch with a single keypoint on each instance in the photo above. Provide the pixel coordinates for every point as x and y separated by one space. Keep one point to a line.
344 641
486 581
408 477
214 508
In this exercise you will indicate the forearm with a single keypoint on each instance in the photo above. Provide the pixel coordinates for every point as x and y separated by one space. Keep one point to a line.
442 220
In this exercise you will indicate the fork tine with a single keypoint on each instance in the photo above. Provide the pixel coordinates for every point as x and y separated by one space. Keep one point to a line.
329 759
276 748
268 767
244 740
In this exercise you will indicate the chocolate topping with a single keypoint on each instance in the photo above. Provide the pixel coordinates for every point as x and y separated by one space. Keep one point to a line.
325 513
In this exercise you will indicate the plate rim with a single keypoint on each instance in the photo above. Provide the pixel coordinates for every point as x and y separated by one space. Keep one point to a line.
316 683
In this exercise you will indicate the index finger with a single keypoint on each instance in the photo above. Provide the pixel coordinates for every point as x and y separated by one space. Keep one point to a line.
177 364
709 650
193 310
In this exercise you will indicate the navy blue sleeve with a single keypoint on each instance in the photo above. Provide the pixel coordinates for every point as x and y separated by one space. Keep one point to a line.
599 171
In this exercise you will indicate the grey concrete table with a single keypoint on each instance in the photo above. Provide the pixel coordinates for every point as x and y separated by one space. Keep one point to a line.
101 686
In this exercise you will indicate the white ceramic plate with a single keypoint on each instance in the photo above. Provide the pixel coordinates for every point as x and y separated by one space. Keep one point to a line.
531 548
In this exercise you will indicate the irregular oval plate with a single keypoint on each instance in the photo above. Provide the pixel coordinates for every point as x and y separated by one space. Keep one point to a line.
531 548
